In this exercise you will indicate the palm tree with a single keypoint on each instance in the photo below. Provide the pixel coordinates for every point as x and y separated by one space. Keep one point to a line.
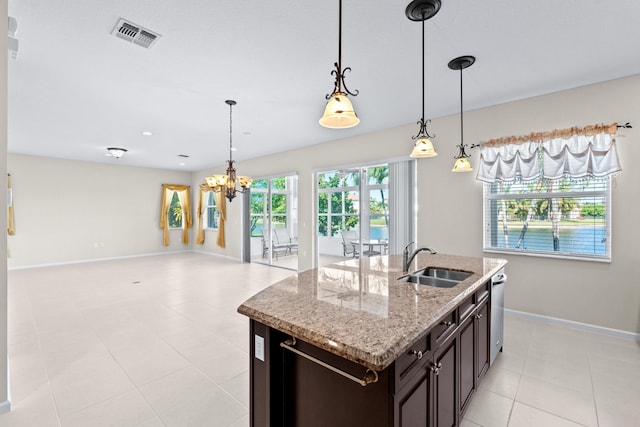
379 174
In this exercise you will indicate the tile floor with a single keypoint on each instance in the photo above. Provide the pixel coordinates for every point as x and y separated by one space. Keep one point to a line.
156 341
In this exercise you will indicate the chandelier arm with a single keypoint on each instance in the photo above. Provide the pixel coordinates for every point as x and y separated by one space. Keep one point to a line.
423 132
344 85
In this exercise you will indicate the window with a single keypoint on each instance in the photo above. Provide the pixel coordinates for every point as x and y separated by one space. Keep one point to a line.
212 212
175 212
338 202
563 217
549 193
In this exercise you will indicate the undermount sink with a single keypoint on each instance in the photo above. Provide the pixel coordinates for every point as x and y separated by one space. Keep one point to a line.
436 277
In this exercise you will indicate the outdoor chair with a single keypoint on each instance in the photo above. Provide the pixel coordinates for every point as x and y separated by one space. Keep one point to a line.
282 239
349 245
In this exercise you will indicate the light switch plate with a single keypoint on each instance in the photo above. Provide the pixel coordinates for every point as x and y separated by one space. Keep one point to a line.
259 347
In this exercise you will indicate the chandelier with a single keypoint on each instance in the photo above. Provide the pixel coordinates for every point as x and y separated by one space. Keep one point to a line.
227 183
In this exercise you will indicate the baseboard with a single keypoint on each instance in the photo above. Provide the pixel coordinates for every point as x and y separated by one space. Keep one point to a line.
5 407
53 264
575 325
231 258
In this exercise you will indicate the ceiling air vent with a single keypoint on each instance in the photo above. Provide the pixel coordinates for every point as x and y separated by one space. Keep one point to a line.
135 34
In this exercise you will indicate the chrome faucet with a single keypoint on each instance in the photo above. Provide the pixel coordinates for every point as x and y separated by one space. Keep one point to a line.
406 259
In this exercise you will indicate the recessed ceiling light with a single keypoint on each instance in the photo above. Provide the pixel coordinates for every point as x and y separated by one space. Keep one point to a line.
146 133
182 164
234 149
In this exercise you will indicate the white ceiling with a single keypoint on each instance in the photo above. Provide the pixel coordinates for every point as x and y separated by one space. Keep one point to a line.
75 89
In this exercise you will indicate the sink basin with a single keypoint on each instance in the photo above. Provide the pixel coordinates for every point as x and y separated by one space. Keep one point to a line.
436 277
442 273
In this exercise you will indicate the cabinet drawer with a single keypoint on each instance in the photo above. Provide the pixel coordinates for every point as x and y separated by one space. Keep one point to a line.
444 328
414 357
482 293
466 308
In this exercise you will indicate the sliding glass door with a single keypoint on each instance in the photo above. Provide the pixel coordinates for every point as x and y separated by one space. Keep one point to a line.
273 222
353 212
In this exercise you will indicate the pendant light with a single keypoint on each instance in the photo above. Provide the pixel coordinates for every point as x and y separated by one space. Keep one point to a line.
227 183
339 113
421 10
462 159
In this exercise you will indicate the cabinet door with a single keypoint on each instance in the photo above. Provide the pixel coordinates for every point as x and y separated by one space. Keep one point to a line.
483 336
445 406
412 405
467 361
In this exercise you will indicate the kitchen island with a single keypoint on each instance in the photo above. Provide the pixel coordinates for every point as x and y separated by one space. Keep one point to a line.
351 344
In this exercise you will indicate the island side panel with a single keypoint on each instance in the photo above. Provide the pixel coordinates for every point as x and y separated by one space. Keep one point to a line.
316 396
265 371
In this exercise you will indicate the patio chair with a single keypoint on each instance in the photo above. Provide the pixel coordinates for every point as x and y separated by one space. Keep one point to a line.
265 247
349 245
282 239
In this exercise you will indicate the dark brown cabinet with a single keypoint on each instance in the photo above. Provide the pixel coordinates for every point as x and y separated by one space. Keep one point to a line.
483 338
411 404
429 385
467 361
445 390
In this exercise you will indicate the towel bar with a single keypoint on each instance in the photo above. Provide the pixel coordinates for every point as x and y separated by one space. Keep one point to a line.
369 376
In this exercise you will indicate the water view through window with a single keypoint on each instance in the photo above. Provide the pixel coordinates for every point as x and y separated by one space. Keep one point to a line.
566 217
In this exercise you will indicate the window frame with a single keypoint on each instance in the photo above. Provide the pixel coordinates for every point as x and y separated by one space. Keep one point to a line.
605 193
211 204
180 226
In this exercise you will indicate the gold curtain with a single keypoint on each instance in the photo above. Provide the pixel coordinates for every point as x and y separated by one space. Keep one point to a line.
183 196
540 137
11 222
221 205
202 198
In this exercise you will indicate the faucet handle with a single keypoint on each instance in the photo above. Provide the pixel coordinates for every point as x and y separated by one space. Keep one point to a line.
406 248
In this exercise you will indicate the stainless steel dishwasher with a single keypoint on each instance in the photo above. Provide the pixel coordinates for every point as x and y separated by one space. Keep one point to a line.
497 313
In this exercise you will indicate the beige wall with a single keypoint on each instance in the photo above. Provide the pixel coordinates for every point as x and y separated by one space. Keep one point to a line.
118 207
68 210
4 380
450 205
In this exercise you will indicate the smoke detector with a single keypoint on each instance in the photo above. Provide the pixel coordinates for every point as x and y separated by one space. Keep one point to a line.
135 34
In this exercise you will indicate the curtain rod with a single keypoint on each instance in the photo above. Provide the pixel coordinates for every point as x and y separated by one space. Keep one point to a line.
540 136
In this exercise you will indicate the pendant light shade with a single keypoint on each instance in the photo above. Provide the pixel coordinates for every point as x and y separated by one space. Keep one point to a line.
421 10
462 163
339 112
423 148
227 183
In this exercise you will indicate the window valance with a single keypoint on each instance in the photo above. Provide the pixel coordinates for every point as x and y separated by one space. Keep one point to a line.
574 152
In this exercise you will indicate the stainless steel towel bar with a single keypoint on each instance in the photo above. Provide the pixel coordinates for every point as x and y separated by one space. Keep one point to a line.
370 376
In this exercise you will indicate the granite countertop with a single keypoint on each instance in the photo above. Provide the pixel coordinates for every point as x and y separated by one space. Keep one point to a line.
358 309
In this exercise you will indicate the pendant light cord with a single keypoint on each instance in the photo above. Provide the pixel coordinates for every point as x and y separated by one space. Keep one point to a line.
230 135
461 112
423 19
340 36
